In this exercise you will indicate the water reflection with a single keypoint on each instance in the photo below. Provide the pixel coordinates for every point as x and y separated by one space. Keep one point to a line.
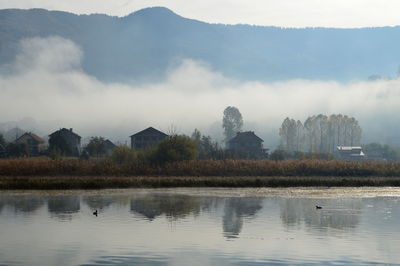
98 201
130 260
236 209
172 206
64 206
336 213
22 203
266 230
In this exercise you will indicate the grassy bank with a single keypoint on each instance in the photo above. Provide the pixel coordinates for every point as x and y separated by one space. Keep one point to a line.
92 182
44 173
104 167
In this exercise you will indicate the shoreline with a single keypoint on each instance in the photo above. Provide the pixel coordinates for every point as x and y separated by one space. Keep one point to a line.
287 192
121 182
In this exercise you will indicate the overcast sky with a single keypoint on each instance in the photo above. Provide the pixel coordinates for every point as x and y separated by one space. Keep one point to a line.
287 13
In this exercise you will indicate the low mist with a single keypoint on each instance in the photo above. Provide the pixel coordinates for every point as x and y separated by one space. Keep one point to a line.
46 83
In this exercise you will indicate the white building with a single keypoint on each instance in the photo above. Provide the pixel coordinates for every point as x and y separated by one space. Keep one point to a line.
350 153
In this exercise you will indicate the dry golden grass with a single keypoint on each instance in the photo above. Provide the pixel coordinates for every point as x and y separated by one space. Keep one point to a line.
44 173
104 167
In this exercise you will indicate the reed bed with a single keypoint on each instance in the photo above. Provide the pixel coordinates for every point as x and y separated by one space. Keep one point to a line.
105 167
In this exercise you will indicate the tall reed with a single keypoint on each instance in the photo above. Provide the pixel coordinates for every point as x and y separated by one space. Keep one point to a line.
105 167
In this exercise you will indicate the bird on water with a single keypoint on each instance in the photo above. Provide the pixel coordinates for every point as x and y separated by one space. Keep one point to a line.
318 207
95 213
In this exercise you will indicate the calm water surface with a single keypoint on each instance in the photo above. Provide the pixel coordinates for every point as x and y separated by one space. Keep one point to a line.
201 227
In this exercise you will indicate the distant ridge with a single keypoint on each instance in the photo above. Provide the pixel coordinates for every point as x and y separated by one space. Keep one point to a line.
143 45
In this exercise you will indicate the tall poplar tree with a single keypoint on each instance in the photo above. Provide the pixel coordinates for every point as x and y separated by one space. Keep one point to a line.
232 122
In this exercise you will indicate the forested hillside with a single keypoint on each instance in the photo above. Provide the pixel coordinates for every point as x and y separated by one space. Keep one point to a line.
145 44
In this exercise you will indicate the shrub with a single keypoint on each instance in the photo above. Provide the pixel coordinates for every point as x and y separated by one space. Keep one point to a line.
17 149
278 155
175 148
96 147
147 155
123 155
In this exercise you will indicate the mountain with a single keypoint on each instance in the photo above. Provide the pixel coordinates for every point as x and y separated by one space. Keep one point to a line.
145 44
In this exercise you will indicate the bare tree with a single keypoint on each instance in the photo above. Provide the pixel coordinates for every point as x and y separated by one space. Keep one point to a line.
320 133
288 134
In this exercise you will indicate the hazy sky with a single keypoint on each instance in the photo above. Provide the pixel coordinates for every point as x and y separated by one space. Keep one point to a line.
47 80
287 13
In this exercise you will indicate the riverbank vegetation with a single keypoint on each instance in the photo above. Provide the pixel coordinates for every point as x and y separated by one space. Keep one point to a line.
46 173
182 161
109 167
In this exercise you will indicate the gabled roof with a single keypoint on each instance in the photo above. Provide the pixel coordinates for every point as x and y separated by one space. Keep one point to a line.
245 137
33 136
149 131
109 144
65 131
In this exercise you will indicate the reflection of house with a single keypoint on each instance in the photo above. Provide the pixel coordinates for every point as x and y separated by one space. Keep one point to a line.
247 145
173 206
148 207
35 143
146 138
109 146
350 153
72 140
63 207
98 201
26 203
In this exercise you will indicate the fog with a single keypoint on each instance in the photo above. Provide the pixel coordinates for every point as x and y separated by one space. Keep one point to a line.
46 83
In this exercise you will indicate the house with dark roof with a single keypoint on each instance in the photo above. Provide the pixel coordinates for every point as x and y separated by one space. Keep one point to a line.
146 138
34 143
67 141
109 146
247 145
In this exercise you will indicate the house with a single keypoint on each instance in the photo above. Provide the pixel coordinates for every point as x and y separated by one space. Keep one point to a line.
34 143
350 153
247 145
109 146
146 138
66 141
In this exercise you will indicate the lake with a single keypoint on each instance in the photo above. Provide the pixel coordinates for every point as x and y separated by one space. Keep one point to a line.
356 226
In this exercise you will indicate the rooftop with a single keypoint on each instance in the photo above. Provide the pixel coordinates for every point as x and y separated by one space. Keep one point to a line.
149 131
246 136
66 131
33 136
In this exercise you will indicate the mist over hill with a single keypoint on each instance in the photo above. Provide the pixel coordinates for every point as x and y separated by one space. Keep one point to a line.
113 76
145 45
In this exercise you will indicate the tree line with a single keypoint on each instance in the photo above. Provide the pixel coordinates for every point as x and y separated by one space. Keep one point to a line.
319 133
